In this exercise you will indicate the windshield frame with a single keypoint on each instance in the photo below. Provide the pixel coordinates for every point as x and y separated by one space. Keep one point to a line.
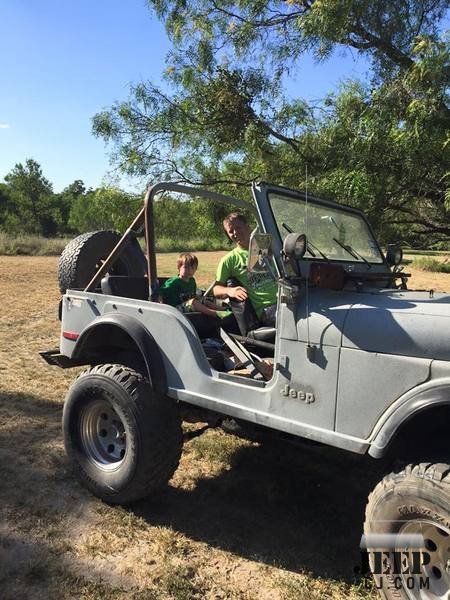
262 191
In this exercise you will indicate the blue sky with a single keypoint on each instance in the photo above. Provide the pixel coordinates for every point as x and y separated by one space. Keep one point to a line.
62 62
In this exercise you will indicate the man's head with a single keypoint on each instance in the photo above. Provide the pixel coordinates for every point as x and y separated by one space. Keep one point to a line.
237 229
187 265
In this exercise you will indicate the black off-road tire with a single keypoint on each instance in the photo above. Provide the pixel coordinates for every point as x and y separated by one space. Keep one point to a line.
122 438
82 256
415 500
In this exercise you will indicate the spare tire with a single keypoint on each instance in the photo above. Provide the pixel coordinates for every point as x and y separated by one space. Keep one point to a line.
82 257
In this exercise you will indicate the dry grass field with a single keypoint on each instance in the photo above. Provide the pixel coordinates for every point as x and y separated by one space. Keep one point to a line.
238 520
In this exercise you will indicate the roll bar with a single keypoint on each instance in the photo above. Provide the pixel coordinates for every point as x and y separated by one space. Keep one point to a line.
145 216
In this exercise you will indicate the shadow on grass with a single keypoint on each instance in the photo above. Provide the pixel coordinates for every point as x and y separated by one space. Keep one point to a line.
27 403
38 499
297 508
31 462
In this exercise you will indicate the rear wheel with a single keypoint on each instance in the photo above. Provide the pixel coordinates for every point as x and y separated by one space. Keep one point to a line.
415 503
122 438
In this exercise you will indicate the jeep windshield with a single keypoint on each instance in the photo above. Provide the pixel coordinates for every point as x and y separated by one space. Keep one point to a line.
333 233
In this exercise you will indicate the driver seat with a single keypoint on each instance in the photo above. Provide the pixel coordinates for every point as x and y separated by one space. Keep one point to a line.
249 324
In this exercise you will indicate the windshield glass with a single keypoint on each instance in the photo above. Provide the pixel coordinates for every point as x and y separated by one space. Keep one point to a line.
329 229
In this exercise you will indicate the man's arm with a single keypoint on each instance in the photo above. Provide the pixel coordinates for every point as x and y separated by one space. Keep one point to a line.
224 272
223 291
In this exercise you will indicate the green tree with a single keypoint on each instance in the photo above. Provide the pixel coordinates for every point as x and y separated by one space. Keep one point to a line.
34 208
5 204
75 189
382 146
104 208
66 199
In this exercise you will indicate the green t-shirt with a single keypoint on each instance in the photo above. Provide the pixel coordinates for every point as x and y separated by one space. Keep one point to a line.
175 291
261 288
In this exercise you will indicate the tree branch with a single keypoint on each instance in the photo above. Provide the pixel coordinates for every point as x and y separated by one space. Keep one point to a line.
373 41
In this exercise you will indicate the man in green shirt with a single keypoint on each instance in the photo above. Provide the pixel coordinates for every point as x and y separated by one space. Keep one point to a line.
259 288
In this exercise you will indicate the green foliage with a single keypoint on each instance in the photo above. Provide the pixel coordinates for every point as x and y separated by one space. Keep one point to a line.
6 203
165 244
193 224
172 217
278 33
381 146
66 200
189 224
104 208
32 204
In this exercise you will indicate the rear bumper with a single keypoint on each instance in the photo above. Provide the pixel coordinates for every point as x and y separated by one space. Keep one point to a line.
56 359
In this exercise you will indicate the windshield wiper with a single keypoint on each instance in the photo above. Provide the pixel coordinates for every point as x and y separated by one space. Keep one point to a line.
352 252
310 245
320 252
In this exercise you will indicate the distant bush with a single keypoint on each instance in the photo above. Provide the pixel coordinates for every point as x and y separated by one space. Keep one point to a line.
194 245
29 245
426 252
432 264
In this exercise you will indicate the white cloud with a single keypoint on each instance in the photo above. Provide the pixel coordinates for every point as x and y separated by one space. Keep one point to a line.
4 126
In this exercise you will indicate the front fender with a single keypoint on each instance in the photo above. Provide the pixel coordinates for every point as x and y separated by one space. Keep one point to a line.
433 393
142 338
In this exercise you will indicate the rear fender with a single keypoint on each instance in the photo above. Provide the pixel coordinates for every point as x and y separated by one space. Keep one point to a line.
143 340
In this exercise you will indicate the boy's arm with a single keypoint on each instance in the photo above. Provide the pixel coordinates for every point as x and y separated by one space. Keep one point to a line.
209 304
198 306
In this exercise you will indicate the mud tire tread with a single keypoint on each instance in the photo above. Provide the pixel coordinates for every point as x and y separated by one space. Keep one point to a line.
78 259
158 429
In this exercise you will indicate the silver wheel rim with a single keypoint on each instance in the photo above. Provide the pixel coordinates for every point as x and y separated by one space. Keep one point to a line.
103 435
437 571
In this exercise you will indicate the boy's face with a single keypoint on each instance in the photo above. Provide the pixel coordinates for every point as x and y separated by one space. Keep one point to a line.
186 271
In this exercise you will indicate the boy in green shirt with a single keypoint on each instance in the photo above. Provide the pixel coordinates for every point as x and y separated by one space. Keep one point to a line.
180 291
259 288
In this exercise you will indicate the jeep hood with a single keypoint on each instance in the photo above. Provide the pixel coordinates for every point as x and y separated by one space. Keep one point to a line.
399 322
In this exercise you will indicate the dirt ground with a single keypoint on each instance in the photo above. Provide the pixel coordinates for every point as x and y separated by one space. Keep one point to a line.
238 520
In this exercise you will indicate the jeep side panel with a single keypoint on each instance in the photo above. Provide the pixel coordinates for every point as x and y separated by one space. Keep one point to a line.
299 406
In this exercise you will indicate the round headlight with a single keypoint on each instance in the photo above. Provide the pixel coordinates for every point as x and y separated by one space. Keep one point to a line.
394 255
294 245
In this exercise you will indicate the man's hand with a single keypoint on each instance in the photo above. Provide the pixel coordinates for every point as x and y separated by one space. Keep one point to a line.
223 291
239 293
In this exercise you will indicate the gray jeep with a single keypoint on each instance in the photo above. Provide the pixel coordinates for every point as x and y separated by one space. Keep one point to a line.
356 361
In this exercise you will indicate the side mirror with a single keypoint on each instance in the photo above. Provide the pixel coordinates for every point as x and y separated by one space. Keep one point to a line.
394 255
259 252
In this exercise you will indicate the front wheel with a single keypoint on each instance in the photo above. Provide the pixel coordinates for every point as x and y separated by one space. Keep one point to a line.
413 504
122 438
